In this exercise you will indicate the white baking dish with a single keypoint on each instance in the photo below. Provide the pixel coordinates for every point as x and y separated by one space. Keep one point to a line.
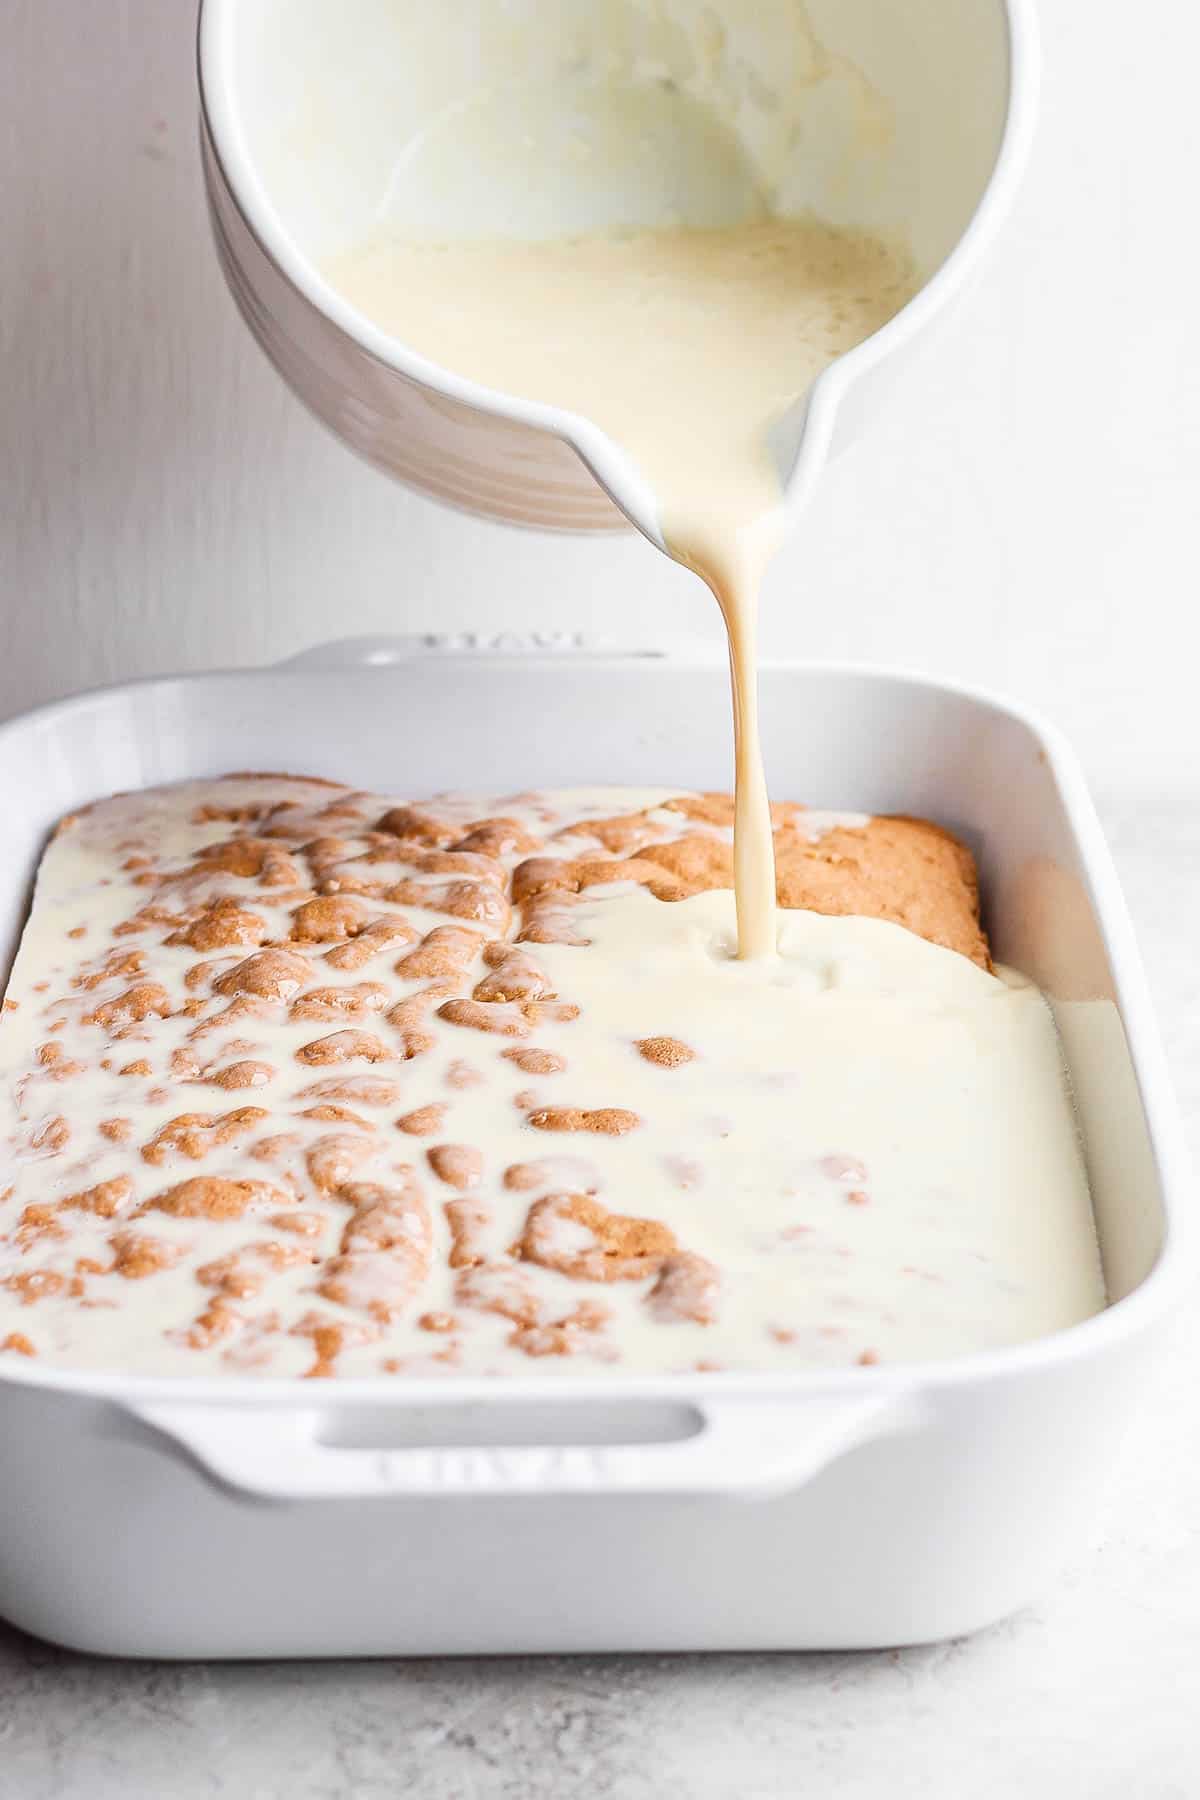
865 1507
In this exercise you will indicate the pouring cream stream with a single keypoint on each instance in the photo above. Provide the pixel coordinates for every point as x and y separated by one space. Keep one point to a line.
684 345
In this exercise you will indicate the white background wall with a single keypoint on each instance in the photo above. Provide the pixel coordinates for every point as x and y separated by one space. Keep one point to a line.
1028 517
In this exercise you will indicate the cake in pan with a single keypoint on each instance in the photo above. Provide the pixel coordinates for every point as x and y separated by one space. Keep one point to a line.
306 1081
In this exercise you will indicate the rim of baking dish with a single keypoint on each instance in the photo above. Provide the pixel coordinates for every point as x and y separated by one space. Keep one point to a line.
1164 1285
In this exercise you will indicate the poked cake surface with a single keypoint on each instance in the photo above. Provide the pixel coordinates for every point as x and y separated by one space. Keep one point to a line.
307 1081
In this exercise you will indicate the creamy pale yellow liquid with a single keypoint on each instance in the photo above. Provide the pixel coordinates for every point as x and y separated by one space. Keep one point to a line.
871 1148
684 346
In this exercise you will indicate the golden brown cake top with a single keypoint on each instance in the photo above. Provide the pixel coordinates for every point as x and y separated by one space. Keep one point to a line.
311 1080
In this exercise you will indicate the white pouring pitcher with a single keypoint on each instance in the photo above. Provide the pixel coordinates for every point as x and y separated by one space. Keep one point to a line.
324 120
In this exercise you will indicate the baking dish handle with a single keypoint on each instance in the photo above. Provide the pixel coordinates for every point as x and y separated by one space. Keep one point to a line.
714 1447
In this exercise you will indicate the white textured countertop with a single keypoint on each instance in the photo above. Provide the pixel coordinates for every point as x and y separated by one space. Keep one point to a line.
1093 1692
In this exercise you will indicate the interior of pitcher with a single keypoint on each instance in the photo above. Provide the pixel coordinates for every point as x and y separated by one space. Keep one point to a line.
547 119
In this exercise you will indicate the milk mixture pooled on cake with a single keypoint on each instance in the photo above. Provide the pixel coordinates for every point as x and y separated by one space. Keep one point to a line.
306 1081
